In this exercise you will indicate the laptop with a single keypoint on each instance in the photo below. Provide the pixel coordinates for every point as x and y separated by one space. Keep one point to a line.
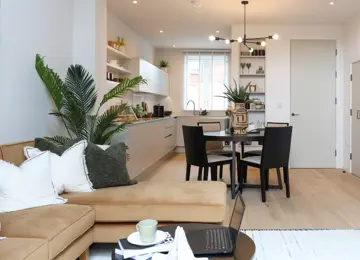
219 240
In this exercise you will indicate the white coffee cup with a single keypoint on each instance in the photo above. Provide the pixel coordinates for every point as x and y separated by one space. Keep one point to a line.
147 230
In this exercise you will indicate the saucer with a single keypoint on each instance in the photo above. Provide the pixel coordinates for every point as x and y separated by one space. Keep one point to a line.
134 239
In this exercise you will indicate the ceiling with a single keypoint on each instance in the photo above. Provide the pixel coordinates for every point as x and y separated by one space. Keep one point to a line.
186 26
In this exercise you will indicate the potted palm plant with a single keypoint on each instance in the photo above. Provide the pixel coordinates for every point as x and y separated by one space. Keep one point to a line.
240 96
164 65
75 99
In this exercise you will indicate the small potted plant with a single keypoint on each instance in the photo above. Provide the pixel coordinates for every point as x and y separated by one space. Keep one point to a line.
164 65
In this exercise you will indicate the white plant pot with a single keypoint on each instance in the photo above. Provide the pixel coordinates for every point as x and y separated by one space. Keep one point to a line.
164 69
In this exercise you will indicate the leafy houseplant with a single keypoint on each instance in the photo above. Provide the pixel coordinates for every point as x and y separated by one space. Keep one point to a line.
75 98
164 65
239 94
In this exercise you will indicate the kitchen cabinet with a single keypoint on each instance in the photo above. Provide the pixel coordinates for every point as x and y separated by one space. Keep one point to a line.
192 121
148 143
157 80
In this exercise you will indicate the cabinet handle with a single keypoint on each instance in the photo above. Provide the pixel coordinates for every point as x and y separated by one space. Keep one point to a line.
168 136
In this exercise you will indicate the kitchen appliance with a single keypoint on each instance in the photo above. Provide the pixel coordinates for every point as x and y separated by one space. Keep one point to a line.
158 111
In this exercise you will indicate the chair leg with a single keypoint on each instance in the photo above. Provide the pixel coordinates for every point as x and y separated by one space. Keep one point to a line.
287 181
214 173
188 168
279 178
245 173
238 166
206 173
267 179
231 167
240 177
263 184
221 172
200 174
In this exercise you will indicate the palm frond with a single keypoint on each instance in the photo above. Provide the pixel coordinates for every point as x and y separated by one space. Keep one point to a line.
59 140
104 138
80 84
106 120
123 87
51 80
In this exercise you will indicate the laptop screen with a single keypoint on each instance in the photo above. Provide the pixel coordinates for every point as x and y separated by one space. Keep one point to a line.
237 216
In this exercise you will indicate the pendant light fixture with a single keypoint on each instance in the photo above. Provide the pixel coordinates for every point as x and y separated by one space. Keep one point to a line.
244 40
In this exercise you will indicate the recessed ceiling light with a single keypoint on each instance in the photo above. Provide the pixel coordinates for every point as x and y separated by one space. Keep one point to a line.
174 46
135 2
161 31
217 31
331 3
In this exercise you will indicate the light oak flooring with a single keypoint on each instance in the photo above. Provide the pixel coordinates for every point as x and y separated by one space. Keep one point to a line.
320 198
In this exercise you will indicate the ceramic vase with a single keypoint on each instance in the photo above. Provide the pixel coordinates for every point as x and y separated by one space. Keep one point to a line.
240 119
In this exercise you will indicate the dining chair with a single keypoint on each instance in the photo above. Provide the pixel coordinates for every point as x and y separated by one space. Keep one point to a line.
258 152
217 147
195 150
275 154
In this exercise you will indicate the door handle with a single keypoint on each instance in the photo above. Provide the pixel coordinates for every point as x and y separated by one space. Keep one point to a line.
358 114
293 114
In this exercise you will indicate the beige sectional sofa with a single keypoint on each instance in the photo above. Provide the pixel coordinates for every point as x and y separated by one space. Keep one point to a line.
66 231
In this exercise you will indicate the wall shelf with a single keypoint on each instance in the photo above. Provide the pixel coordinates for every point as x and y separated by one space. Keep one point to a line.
256 110
252 57
116 69
252 75
116 53
257 93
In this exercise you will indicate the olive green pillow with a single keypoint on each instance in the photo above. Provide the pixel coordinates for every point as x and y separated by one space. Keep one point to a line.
106 168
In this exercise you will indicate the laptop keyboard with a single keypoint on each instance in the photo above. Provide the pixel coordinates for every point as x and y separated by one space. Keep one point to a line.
218 239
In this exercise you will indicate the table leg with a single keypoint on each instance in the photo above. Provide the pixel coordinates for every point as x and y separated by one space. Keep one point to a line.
233 169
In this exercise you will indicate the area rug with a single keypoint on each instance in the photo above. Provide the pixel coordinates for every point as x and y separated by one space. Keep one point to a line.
305 244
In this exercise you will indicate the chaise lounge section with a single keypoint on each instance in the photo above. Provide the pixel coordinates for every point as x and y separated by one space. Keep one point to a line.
66 231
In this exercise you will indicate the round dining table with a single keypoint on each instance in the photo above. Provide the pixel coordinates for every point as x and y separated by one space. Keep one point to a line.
233 138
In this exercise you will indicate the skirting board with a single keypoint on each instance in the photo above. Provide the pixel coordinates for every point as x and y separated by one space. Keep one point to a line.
150 171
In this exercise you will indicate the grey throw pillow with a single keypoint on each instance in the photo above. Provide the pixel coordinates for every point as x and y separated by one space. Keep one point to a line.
105 168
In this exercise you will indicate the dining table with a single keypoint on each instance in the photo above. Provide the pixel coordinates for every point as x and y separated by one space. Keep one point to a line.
233 139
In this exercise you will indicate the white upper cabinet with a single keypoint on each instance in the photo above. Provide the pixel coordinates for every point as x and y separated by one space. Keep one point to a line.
157 80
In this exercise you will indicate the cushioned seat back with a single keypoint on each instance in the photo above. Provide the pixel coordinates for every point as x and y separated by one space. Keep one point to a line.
14 153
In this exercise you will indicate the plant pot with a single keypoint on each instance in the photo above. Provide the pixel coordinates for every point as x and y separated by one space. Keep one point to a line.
164 69
240 119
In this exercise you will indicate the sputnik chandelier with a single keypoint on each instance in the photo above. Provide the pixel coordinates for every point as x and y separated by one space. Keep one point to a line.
244 40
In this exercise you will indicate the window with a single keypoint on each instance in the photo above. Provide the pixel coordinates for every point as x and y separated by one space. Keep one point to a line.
205 75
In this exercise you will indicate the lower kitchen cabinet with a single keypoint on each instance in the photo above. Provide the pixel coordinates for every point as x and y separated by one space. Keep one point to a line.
148 143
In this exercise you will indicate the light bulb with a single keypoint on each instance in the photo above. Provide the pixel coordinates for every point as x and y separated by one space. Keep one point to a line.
276 36
135 2
217 31
263 43
251 50
227 41
212 38
239 39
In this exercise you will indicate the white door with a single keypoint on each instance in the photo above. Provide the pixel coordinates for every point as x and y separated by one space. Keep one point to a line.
355 120
313 83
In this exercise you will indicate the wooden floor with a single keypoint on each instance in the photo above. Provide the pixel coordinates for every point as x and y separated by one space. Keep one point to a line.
320 198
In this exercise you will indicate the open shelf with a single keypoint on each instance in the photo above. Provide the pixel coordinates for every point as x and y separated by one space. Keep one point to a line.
112 83
116 69
252 75
256 110
257 93
252 57
116 53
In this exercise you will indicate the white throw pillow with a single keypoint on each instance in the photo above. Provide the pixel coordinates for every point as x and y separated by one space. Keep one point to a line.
69 172
27 186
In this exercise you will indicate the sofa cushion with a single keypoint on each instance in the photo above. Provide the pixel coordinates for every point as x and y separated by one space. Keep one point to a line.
163 201
24 249
14 153
59 224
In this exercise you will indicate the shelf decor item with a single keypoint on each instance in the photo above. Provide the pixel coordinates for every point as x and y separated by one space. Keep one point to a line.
252 88
261 41
239 115
75 98
248 65
242 65
164 65
260 70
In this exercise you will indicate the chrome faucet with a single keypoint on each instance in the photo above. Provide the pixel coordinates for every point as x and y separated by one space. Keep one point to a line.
194 106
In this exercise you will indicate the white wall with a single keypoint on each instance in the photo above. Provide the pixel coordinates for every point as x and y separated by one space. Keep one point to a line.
351 55
28 28
278 68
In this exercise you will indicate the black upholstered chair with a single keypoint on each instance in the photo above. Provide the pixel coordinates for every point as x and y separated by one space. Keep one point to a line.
195 150
275 154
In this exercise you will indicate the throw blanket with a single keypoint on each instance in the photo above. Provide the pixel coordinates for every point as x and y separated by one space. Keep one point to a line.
305 244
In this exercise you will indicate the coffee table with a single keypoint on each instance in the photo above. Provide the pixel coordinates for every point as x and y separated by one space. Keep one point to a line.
245 246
